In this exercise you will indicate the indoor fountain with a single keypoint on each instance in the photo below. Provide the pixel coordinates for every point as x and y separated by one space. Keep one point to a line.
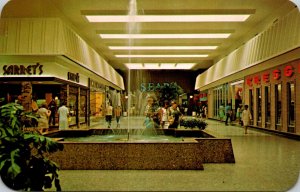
127 148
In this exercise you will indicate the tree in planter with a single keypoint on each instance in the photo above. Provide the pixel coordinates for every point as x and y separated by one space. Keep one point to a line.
23 165
168 92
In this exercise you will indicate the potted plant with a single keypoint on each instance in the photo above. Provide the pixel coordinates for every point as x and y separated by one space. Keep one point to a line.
23 164
193 122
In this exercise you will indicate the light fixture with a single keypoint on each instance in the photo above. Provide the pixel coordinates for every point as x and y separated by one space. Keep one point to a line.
166 36
185 65
160 66
151 66
161 56
162 47
134 65
168 18
167 65
191 96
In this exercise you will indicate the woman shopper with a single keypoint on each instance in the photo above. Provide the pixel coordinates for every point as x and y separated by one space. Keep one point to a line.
246 118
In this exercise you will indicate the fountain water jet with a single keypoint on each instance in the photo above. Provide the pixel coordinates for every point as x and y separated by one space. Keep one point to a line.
132 28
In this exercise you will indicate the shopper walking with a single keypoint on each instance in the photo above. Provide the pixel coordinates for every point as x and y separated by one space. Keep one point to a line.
108 115
246 118
118 112
228 112
63 114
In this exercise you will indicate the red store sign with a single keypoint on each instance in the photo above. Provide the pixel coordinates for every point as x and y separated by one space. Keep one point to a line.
275 74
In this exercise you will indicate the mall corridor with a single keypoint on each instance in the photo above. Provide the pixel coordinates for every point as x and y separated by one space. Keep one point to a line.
264 162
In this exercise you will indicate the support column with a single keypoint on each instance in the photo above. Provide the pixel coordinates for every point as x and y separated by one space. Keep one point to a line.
26 95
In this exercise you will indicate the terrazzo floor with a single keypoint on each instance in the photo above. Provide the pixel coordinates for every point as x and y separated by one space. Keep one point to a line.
264 162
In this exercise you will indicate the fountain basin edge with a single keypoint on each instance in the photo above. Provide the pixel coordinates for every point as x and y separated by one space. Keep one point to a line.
144 156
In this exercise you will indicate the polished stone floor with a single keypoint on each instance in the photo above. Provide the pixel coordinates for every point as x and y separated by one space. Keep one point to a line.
264 162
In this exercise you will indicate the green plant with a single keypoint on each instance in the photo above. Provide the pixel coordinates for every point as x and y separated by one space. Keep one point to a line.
193 122
23 165
168 92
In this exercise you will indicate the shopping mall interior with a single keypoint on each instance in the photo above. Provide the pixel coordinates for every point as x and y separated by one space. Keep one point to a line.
205 57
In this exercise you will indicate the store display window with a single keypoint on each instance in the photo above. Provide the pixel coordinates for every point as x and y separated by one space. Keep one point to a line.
291 106
258 106
278 105
268 105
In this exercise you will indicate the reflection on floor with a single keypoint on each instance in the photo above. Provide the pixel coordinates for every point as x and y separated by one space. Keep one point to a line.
264 162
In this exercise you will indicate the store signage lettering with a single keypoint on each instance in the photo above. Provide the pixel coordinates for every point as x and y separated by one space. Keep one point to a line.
23 70
276 74
256 80
288 71
202 95
95 84
73 77
266 77
146 87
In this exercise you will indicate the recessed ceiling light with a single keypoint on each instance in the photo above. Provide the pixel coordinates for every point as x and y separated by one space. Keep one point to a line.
159 56
151 66
168 18
185 65
160 66
134 65
167 65
162 47
165 36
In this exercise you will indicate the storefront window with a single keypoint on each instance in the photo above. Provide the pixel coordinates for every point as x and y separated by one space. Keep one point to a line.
73 98
278 105
268 105
97 105
215 103
291 106
251 103
258 108
83 104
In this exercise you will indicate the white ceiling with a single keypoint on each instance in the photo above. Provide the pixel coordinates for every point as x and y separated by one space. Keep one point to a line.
263 13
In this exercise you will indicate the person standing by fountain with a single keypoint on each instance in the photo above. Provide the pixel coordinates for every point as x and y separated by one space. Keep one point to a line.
108 115
52 107
164 115
151 111
44 114
118 112
175 115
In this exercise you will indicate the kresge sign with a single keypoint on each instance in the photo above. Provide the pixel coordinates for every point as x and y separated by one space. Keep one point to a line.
287 71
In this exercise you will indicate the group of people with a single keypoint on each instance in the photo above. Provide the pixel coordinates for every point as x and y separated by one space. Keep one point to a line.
46 115
243 116
109 114
164 117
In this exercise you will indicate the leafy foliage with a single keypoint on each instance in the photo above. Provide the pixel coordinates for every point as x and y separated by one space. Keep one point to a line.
168 92
23 165
193 122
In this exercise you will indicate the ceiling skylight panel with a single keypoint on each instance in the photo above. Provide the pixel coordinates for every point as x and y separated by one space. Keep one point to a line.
168 18
161 56
165 36
162 47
